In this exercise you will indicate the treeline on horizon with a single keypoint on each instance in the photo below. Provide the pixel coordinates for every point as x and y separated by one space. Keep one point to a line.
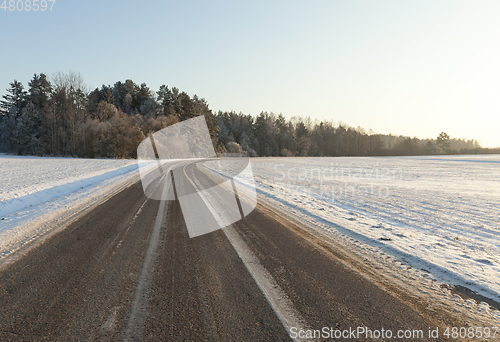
63 118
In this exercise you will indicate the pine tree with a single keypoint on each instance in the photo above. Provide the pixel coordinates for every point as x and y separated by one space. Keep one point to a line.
16 96
40 91
11 107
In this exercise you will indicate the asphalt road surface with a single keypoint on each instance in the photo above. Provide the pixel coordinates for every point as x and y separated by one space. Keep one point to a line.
128 271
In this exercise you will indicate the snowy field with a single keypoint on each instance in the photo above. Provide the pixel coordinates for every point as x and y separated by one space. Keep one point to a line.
36 193
439 214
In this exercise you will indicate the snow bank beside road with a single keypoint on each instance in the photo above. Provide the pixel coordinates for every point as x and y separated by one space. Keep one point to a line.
36 193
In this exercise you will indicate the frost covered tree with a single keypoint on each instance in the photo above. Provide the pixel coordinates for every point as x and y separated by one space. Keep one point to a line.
266 133
16 96
443 141
11 107
233 147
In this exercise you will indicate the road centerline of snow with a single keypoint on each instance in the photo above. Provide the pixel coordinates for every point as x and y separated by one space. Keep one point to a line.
277 299
139 303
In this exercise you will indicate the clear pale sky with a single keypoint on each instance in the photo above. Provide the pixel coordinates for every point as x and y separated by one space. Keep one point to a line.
404 67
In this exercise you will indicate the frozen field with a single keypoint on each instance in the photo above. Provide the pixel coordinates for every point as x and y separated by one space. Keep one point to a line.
439 214
35 192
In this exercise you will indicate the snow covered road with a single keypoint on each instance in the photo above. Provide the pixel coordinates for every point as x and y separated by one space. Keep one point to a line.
128 270
437 214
